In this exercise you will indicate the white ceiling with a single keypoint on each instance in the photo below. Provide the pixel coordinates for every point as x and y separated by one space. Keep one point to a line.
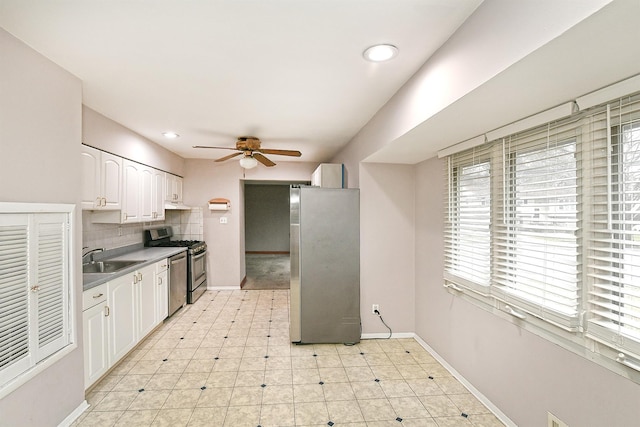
291 71
288 71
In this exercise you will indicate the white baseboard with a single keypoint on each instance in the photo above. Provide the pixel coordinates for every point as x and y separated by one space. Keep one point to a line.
384 335
481 397
74 415
224 288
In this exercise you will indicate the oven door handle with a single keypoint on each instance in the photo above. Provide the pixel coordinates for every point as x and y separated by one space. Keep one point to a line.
200 255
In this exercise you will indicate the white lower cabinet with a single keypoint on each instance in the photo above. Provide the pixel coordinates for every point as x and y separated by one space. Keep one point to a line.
117 315
95 339
162 287
122 317
144 283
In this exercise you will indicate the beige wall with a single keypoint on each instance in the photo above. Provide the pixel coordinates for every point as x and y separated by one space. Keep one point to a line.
40 132
387 224
205 180
101 132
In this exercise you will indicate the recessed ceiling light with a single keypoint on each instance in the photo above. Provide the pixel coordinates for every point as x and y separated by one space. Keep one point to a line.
380 52
170 135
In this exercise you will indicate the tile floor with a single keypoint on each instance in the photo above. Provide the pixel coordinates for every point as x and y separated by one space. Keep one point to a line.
227 361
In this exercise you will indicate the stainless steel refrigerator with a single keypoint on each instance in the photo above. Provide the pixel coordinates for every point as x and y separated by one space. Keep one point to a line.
325 265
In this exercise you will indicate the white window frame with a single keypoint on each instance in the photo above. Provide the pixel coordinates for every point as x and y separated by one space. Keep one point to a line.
608 303
42 358
517 281
460 257
586 333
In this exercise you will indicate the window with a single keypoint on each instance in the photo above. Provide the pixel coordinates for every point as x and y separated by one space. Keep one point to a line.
35 299
537 265
615 257
545 225
468 232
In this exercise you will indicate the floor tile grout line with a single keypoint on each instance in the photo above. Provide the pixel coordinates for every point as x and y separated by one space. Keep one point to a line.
249 314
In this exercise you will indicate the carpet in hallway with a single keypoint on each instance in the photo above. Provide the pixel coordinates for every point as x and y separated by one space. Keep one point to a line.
267 271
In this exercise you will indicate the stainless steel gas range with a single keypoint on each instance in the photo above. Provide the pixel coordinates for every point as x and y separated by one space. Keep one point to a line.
196 259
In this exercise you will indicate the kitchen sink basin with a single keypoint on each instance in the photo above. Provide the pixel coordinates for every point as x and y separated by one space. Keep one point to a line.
106 266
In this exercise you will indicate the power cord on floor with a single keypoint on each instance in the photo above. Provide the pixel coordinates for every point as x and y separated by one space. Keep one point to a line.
383 322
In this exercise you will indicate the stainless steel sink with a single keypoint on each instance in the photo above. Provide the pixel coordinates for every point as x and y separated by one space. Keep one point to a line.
106 266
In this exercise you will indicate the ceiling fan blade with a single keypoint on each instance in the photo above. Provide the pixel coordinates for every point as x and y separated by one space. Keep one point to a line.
262 159
217 148
293 153
230 156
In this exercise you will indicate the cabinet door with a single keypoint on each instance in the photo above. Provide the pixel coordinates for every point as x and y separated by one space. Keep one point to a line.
131 192
110 181
178 188
158 194
95 343
146 300
146 193
90 177
173 190
169 188
121 299
162 295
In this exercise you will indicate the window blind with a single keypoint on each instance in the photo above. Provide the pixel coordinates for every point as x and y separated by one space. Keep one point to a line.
614 256
468 219
537 263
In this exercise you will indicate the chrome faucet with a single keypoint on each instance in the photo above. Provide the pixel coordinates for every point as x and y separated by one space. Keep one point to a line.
91 253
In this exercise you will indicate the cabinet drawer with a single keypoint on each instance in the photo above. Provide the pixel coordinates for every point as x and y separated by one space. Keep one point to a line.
162 266
94 296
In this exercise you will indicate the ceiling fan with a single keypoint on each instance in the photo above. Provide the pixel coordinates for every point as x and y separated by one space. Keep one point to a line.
250 147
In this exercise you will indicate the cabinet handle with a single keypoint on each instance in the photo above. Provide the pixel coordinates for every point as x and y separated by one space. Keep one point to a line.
124 216
98 296
135 279
98 201
35 288
104 201
159 280
106 311
139 277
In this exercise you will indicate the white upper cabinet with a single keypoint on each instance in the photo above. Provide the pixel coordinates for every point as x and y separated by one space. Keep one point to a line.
131 184
146 193
158 189
101 180
173 189
127 191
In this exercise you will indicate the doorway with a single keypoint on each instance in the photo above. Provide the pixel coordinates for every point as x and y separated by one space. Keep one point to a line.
266 223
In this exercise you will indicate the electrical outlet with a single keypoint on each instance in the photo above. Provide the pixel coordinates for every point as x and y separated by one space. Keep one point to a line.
374 308
223 220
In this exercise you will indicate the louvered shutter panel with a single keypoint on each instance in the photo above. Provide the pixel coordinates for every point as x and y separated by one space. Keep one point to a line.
51 278
614 258
537 259
15 355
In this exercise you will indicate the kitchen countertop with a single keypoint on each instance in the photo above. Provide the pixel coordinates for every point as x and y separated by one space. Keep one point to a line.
146 256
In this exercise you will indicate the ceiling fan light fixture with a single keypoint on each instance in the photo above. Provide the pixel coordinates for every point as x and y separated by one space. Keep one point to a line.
380 52
170 135
248 162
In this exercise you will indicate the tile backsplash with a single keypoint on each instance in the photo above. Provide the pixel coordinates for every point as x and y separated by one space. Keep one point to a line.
186 225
